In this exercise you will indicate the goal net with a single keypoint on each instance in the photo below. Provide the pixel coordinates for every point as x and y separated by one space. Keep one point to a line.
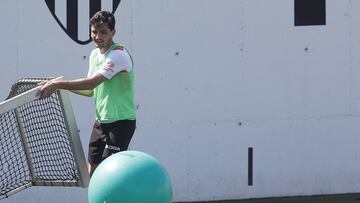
39 141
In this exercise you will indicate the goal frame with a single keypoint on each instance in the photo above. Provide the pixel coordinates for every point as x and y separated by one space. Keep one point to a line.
15 103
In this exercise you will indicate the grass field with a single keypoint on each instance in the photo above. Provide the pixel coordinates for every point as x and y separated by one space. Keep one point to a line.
351 198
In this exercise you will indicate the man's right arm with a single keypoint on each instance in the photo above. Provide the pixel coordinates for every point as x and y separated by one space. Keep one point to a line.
79 84
87 93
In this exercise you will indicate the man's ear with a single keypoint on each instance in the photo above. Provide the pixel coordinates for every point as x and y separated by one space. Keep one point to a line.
114 31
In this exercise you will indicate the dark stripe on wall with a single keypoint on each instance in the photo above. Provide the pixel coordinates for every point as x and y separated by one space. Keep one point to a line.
250 166
115 5
310 12
72 18
95 6
51 5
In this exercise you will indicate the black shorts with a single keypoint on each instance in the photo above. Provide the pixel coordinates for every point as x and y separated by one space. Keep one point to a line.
109 138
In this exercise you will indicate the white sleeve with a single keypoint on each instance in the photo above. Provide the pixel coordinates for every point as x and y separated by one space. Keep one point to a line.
117 60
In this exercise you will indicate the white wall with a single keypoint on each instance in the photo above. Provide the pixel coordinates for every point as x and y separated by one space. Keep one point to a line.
238 61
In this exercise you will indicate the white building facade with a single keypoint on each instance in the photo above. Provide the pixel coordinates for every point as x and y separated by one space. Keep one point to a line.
238 98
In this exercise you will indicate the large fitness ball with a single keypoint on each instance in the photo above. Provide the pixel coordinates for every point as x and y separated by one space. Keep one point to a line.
130 177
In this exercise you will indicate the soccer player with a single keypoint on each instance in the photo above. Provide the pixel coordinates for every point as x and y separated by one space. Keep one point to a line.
110 81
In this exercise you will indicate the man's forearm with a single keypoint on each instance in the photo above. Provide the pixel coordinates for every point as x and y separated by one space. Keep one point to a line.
81 84
87 93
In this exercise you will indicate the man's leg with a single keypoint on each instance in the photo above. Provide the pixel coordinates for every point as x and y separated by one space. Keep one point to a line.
92 168
119 136
96 147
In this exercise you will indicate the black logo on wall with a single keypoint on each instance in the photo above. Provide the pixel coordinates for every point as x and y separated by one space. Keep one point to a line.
72 8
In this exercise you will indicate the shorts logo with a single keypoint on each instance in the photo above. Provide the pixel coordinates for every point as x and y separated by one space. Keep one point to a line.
112 147
72 11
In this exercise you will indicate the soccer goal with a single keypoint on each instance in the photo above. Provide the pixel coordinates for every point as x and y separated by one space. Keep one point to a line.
39 141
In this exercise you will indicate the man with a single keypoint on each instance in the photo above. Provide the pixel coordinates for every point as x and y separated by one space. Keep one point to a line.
111 82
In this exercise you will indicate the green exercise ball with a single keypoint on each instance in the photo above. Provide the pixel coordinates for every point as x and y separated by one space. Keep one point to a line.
130 177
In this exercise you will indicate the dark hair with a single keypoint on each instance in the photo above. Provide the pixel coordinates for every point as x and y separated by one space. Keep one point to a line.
101 17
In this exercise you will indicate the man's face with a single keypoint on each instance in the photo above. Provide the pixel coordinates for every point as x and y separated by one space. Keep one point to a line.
102 35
